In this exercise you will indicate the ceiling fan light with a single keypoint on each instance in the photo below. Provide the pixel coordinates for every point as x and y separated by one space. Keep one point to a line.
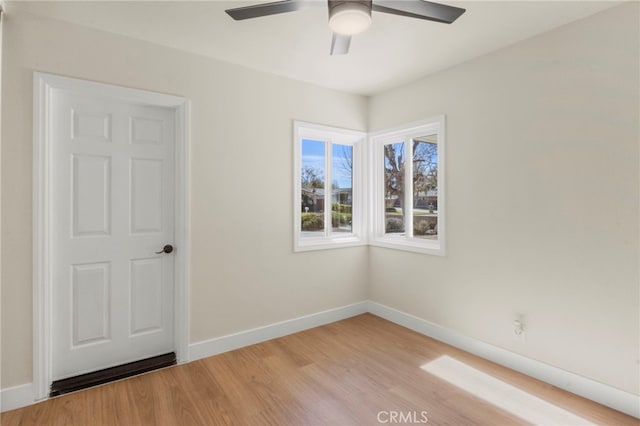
349 18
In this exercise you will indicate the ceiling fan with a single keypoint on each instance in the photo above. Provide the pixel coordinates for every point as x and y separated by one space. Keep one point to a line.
350 17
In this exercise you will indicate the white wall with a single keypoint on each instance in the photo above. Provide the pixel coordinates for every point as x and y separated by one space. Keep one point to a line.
244 272
542 163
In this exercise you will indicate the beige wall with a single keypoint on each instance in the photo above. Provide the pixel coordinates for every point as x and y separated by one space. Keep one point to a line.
542 199
244 273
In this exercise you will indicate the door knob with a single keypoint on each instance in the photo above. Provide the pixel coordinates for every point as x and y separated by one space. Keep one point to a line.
166 249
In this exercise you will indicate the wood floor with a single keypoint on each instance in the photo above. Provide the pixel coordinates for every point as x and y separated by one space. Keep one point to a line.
360 371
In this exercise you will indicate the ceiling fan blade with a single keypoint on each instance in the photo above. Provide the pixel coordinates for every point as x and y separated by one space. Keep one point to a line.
265 9
419 9
340 44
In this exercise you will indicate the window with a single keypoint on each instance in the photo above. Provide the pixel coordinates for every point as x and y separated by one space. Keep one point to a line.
328 194
405 192
407 203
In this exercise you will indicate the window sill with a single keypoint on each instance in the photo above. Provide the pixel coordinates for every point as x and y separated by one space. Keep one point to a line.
322 243
433 248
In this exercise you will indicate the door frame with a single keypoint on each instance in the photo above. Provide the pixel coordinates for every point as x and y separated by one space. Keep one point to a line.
43 86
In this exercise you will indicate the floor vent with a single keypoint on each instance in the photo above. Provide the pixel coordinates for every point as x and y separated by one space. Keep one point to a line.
107 375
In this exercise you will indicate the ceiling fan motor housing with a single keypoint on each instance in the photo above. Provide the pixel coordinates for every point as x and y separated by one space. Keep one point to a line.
349 17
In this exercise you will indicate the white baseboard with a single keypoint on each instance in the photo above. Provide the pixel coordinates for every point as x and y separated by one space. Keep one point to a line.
230 342
604 394
16 397
20 396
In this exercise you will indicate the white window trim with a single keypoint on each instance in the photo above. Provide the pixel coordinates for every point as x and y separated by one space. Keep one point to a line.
377 204
331 135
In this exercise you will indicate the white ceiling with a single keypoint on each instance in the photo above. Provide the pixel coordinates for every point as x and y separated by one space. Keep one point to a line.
395 50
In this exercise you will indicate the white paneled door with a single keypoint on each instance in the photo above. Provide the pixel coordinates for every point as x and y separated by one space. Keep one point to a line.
112 215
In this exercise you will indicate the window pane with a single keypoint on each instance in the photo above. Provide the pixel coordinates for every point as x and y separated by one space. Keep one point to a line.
394 187
312 176
341 188
425 187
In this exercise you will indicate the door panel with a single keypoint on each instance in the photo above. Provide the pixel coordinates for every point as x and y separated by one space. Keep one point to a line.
113 209
146 195
146 130
146 295
91 297
89 124
91 195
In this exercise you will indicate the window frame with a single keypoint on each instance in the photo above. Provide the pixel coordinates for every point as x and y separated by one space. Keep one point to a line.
338 136
377 218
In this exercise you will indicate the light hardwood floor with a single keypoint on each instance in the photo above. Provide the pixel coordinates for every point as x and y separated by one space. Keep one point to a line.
359 371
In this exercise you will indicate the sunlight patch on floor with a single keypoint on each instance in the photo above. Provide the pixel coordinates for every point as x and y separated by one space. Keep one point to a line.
503 395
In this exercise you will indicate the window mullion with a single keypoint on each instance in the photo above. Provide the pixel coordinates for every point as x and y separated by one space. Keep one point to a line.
378 206
328 189
408 188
